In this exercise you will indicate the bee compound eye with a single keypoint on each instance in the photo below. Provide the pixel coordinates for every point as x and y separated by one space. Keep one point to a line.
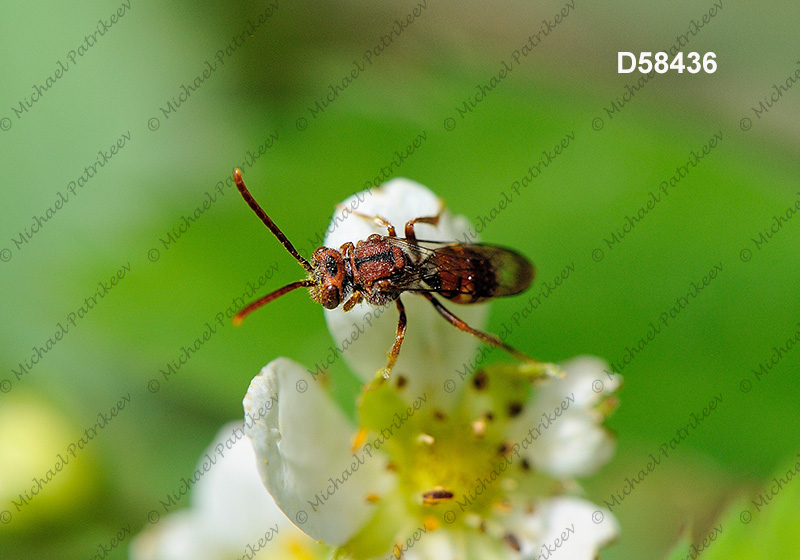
331 265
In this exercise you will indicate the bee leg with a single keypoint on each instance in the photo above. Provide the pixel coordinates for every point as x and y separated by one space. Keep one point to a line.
347 250
398 341
377 220
485 337
433 220
355 299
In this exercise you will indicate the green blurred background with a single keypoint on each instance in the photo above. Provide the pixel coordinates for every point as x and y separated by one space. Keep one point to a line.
265 87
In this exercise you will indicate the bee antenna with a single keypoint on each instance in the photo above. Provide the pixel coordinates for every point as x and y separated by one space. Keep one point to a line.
239 317
237 177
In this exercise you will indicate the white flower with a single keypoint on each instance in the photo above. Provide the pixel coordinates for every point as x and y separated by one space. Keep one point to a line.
477 470
370 499
231 516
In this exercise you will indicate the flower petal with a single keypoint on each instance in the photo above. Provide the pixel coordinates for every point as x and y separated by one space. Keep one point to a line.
177 537
566 529
230 509
587 378
433 349
303 441
561 432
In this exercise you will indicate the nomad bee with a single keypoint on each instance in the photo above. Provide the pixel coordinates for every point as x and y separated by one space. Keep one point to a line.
381 268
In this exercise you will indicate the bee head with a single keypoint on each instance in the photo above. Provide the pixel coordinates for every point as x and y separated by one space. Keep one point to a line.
329 277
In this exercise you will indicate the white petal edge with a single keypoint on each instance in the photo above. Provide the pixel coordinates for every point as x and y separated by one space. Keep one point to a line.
302 441
568 529
230 508
176 537
574 446
574 442
587 378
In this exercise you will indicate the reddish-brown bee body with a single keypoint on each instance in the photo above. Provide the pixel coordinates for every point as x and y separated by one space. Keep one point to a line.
381 268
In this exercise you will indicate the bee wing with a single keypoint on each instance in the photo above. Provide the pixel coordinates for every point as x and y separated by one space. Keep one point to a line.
475 270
